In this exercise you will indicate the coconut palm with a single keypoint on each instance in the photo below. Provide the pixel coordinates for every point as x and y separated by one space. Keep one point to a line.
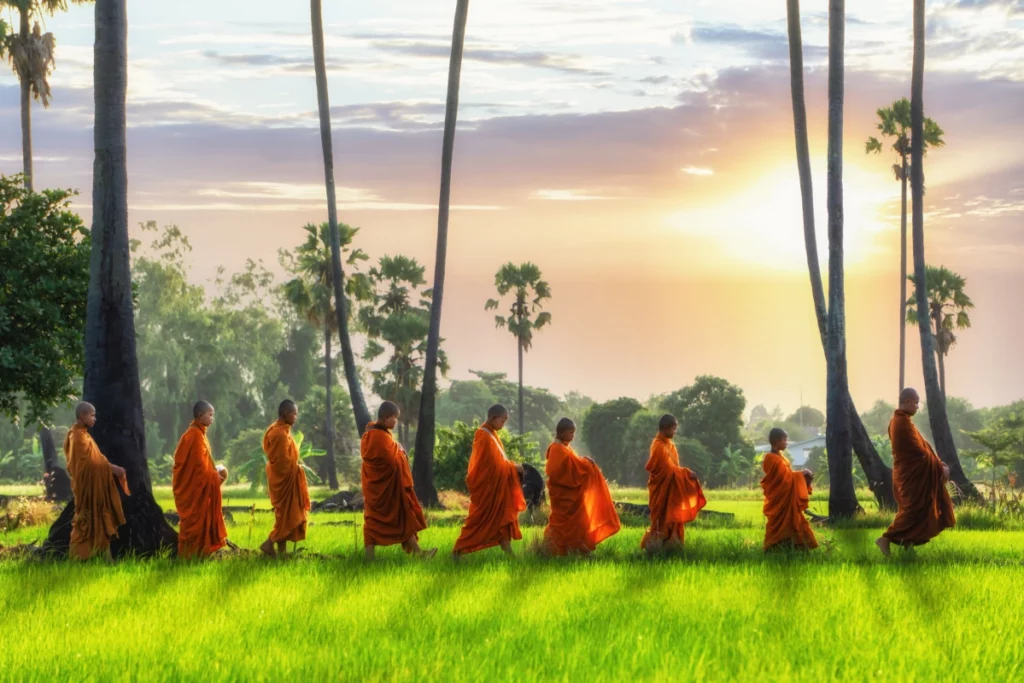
30 52
947 308
941 433
310 294
362 414
525 315
423 464
894 122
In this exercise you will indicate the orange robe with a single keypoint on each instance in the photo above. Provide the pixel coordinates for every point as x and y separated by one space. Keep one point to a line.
286 483
495 496
196 486
786 495
98 511
675 495
582 511
391 511
925 508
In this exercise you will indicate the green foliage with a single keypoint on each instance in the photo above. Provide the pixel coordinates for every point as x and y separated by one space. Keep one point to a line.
631 459
963 418
44 278
23 464
1003 444
541 408
253 465
313 418
948 304
807 417
604 428
529 292
894 122
876 420
464 401
455 445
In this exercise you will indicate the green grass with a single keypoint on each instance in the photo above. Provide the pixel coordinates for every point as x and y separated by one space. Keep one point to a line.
720 611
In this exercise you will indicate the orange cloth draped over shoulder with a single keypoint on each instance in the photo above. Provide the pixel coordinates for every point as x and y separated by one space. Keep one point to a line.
786 496
197 499
286 483
495 496
925 508
582 511
675 495
98 511
391 511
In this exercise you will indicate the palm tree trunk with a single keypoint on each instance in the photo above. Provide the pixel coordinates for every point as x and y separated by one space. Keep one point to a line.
332 469
903 274
941 433
423 463
111 364
878 474
939 356
362 414
26 108
522 425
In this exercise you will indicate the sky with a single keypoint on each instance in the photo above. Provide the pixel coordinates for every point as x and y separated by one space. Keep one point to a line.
640 152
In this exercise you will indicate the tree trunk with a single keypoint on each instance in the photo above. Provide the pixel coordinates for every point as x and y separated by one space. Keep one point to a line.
111 365
49 448
26 108
56 481
423 463
878 474
940 357
903 274
941 433
522 424
362 414
332 469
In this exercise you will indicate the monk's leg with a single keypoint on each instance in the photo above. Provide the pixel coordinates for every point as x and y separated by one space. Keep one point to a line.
412 546
883 544
268 548
506 546
368 552
674 542
282 547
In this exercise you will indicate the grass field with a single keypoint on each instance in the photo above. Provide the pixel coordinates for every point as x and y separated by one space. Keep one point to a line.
721 611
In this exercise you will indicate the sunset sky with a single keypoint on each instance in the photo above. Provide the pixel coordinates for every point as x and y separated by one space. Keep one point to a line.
639 151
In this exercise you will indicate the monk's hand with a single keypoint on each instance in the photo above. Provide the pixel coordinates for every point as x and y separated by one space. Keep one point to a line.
519 468
945 471
118 471
808 477
589 459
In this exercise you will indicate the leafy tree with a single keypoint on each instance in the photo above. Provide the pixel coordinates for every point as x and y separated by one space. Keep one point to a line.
806 416
947 305
711 411
894 122
525 314
963 418
540 408
44 276
1003 444
464 401
298 375
574 406
455 444
877 420
605 426
735 465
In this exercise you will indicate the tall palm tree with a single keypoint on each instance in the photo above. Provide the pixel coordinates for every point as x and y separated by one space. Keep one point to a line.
943 435
894 122
948 304
310 294
878 474
362 414
529 293
111 365
30 52
423 464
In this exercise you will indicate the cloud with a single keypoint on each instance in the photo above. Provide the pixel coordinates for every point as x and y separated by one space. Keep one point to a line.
764 45
697 170
1013 6
570 64
567 196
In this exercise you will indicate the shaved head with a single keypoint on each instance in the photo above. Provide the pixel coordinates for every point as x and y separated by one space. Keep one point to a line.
777 436
565 425
201 408
909 394
287 407
496 411
388 409
83 409
667 420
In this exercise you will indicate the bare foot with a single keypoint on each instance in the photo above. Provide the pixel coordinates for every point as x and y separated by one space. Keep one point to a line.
428 554
456 556
368 553
268 548
883 544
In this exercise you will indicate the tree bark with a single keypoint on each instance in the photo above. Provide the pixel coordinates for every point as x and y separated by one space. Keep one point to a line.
26 108
941 433
111 365
423 462
362 414
940 357
522 426
903 274
332 469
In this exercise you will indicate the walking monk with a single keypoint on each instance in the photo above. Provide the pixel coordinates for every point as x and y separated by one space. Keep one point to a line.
286 482
94 482
391 511
582 511
786 496
196 484
919 482
495 495
675 496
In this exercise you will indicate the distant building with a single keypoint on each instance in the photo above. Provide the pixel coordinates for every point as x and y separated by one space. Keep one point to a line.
799 451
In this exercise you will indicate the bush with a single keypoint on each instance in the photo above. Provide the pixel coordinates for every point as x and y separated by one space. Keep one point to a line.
455 444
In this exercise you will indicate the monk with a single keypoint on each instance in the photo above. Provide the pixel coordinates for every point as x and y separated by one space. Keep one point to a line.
919 482
582 511
675 496
94 482
286 482
495 495
391 511
196 484
786 495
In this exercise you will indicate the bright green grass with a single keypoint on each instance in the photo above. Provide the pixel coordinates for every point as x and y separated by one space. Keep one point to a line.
721 611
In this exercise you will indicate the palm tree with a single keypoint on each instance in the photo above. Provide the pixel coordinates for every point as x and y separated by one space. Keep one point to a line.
530 291
947 305
30 52
310 294
362 414
878 474
894 122
423 464
111 365
943 435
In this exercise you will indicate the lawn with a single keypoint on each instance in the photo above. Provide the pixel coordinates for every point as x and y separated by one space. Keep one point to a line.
721 611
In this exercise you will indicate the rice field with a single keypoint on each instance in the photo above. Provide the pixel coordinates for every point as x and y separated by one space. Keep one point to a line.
720 611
